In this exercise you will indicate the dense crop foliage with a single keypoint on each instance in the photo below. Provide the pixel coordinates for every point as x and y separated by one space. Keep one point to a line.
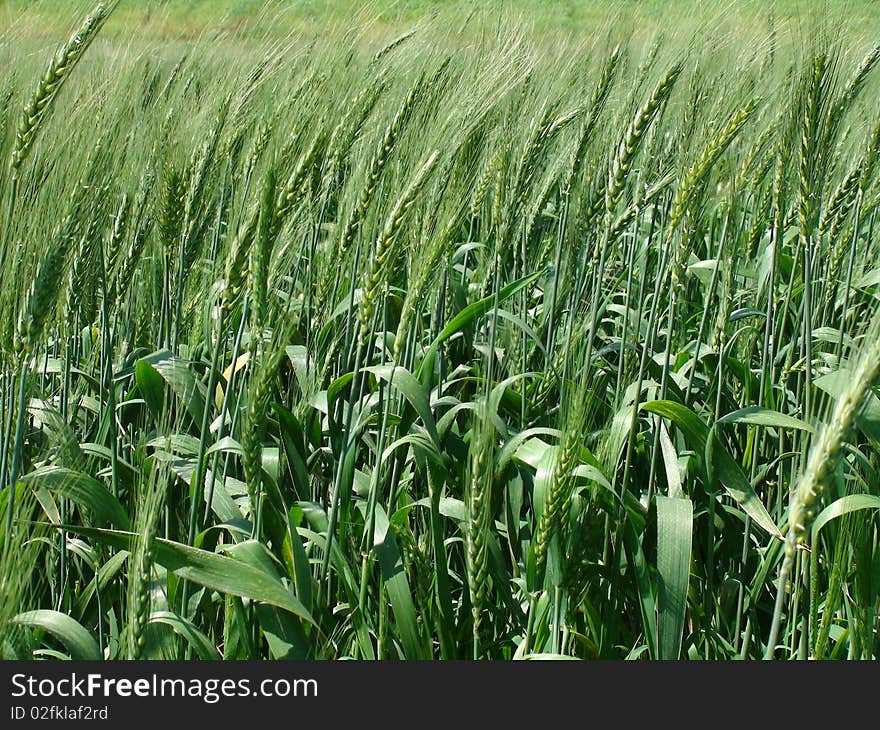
495 350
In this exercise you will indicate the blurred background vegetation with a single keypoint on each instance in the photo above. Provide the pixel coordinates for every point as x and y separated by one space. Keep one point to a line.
551 19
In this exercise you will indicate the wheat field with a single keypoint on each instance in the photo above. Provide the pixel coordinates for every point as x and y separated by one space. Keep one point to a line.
442 336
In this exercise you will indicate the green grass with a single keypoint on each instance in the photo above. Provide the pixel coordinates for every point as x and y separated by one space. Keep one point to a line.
169 19
521 335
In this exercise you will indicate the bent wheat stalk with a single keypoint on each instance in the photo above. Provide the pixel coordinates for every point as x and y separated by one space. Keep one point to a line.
821 462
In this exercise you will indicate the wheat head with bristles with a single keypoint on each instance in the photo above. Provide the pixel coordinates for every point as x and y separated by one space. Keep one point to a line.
822 460
622 161
385 244
479 516
42 100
